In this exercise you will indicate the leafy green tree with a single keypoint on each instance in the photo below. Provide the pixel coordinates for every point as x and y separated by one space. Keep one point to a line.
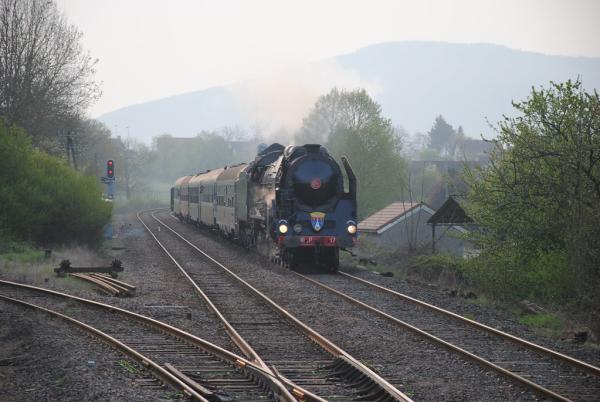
540 196
440 134
350 123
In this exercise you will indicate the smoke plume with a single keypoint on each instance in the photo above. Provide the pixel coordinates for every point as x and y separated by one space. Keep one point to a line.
276 101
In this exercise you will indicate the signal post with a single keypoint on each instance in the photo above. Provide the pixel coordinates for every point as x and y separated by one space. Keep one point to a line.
109 180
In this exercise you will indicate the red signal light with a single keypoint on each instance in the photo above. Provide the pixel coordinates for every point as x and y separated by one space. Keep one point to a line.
110 169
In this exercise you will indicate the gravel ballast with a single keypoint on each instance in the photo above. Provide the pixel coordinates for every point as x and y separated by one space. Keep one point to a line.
417 367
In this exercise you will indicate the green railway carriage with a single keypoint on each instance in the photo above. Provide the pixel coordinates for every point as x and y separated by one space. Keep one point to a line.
207 189
177 191
231 184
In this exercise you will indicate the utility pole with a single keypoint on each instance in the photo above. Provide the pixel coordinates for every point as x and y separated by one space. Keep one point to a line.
127 194
71 151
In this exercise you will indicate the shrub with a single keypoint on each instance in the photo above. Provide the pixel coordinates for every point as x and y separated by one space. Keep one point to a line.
43 199
543 276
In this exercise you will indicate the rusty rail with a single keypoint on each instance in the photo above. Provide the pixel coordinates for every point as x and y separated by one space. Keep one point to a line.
155 368
237 339
108 284
130 288
267 376
320 340
504 335
483 362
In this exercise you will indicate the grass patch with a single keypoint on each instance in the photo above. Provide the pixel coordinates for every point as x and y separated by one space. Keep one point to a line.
127 366
480 300
20 252
542 321
173 395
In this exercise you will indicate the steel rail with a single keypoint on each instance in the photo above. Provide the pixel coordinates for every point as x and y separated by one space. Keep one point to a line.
320 340
198 342
520 341
154 367
110 279
107 287
122 289
233 334
240 342
486 363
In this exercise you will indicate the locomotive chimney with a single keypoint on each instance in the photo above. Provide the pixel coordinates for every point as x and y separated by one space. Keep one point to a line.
312 148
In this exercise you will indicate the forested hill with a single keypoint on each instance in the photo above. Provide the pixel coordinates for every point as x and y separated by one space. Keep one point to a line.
415 82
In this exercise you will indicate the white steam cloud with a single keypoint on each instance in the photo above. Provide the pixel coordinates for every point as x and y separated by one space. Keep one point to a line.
277 101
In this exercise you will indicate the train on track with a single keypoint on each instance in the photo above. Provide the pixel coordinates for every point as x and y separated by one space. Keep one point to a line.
289 202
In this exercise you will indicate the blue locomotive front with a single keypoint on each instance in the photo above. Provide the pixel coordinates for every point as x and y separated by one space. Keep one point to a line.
314 216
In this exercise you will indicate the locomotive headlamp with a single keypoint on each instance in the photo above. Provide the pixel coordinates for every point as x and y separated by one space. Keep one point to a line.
283 227
297 228
351 227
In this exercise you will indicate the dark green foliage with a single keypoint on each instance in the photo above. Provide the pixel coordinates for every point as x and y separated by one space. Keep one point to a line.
176 157
539 200
19 252
440 134
350 123
43 199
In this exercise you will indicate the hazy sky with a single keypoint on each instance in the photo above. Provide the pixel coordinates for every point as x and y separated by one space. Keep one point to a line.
149 49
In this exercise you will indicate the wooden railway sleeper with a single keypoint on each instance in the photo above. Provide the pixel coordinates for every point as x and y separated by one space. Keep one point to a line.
373 392
367 389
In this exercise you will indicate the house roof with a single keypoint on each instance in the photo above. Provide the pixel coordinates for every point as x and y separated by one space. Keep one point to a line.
450 213
471 145
386 216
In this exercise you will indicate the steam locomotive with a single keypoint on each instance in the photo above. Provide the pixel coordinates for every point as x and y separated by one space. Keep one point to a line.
289 202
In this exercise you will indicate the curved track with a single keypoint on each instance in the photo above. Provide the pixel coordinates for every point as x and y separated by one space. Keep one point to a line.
547 372
269 335
189 364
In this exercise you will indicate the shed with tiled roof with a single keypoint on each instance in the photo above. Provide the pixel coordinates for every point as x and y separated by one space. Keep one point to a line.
383 219
402 226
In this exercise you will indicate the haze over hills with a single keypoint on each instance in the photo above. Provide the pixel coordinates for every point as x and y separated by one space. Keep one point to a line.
413 81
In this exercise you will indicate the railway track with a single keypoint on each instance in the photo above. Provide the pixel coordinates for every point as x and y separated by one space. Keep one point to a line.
518 360
549 373
191 365
266 333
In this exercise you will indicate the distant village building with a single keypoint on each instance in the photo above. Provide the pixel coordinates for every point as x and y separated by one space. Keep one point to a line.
469 149
402 227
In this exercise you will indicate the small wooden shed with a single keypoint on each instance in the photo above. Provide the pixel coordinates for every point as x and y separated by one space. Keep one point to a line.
451 215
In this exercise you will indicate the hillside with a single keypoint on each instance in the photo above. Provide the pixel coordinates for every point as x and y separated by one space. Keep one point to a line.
415 82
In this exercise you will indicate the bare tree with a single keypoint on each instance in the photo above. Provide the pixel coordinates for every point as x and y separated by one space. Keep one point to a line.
46 78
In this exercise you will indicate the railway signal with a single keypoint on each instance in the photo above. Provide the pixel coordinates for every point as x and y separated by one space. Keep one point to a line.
110 169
